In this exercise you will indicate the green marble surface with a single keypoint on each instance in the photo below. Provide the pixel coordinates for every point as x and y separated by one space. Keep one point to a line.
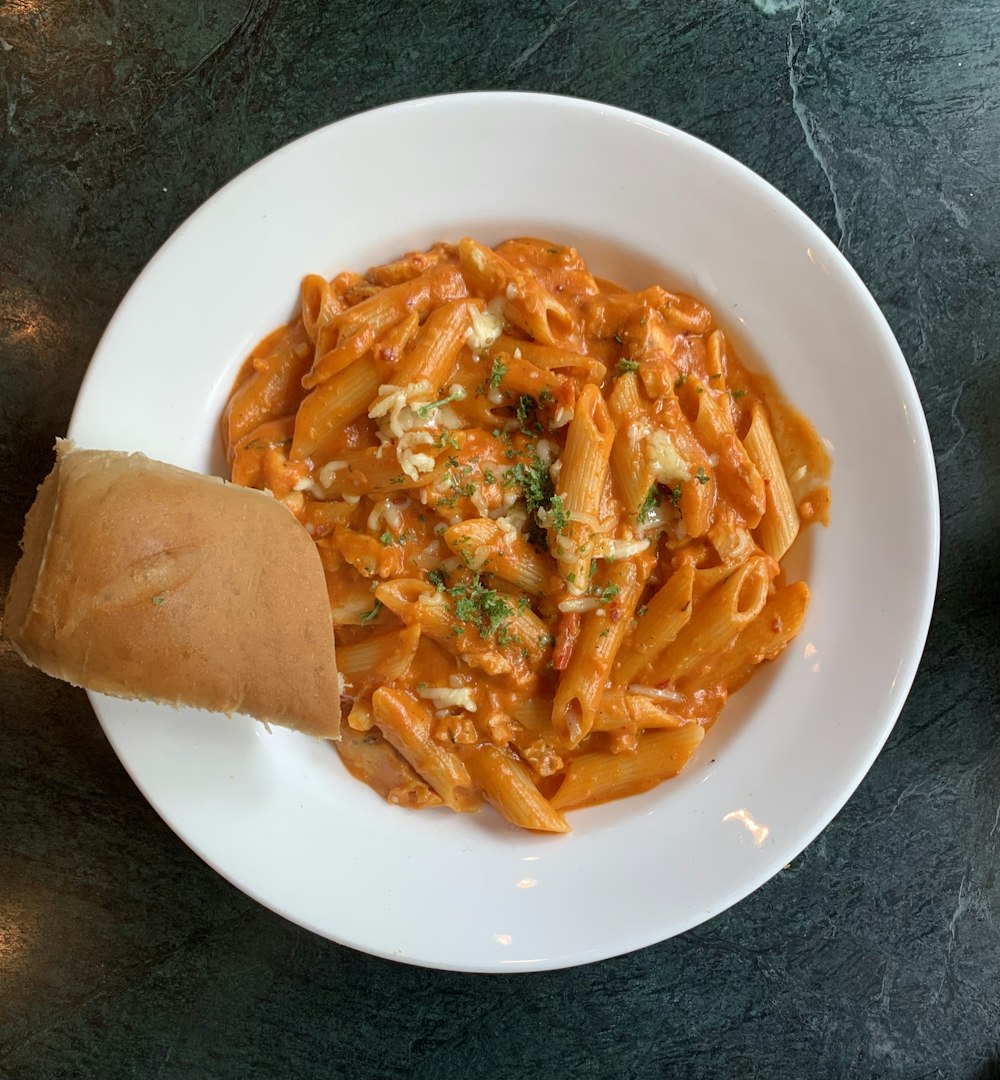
876 954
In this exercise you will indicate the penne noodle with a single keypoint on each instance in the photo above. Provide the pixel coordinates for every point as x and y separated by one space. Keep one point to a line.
713 426
507 785
436 346
520 376
319 305
581 480
384 657
666 614
419 604
388 306
715 621
405 724
581 687
550 512
527 304
764 639
631 468
334 404
484 545
623 710
547 358
269 386
780 524
596 777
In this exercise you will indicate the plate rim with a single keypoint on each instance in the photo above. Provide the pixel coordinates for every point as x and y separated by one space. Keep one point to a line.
929 509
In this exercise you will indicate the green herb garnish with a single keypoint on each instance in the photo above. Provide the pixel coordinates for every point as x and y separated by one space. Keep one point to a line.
604 593
484 608
423 411
370 616
559 517
649 504
497 373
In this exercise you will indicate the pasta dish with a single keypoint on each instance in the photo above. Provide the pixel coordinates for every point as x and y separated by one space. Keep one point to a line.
551 514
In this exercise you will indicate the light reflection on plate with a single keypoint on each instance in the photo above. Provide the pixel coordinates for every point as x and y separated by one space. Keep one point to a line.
275 813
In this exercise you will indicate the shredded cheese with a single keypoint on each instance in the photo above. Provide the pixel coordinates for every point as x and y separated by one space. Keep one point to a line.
655 692
578 603
448 697
486 326
666 461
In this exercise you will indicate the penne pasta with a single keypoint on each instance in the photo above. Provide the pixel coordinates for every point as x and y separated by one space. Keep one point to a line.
507 785
378 659
603 629
406 725
716 620
581 481
484 545
764 638
666 614
596 777
551 514
780 523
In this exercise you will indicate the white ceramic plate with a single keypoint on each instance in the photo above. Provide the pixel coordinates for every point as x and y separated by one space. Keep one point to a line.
276 813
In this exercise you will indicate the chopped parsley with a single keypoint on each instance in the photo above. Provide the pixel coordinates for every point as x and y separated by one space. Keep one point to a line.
497 373
488 476
649 504
641 610
386 538
675 495
737 393
436 578
370 616
534 482
423 411
627 364
560 519
701 476
604 593
545 396
527 415
446 439
619 338
484 608
266 444
159 599
680 380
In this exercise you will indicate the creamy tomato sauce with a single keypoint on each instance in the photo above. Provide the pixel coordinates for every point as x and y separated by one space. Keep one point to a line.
551 513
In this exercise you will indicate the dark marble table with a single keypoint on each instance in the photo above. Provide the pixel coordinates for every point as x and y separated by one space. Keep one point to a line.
877 953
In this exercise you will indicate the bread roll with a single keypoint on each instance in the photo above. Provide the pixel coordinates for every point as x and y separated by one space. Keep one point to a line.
143 580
